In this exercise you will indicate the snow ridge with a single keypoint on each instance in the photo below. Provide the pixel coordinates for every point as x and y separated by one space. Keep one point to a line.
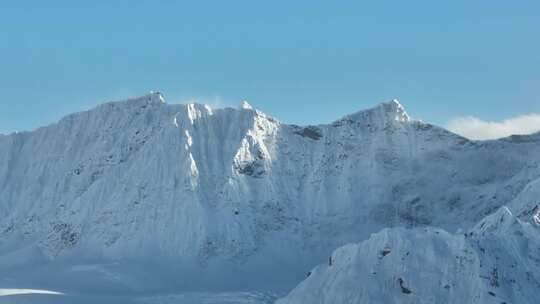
430 265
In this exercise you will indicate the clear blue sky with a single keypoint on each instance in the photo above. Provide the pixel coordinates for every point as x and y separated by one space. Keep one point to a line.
300 61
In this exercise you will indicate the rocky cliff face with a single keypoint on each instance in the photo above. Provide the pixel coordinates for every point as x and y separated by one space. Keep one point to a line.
220 190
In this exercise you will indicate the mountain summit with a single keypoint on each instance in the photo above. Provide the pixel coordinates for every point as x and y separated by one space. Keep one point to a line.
390 113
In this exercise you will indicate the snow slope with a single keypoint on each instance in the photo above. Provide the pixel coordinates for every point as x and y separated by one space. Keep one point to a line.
497 261
192 194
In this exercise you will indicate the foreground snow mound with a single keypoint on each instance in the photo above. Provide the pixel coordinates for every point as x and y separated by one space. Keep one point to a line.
495 262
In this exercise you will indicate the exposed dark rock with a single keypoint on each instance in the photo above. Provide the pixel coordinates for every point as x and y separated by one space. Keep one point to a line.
386 251
311 132
253 169
404 289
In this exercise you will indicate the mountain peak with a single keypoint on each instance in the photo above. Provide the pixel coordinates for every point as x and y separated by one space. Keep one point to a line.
152 97
394 110
245 105
156 96
385 112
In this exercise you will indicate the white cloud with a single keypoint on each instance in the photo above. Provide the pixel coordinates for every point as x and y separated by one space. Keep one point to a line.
475 128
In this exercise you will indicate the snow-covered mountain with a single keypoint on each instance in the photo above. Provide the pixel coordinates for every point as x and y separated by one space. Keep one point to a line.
497 261
197 194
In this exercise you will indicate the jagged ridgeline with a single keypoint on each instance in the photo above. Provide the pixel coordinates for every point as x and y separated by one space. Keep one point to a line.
219 191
